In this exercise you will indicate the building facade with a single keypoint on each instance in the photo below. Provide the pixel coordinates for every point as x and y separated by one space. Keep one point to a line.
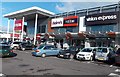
99 26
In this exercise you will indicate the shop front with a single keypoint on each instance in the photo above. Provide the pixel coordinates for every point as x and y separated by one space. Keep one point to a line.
104 27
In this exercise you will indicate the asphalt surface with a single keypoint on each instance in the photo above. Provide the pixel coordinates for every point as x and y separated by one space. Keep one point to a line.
26 64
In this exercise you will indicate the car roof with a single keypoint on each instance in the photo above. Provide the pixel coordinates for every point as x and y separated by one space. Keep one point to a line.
103 47
91 47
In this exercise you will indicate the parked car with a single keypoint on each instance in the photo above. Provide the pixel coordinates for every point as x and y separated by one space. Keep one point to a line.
5 50
45 50
26 45
86 53
105 54
15 45
7 43
69 53
117 57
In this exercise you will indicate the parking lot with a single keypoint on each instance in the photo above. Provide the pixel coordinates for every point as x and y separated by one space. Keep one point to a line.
26 64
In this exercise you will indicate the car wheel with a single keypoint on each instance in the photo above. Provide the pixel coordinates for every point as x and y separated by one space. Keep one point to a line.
23 49
91 58
71 56
43 55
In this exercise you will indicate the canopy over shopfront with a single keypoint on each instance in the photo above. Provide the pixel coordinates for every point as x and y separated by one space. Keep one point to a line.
33 13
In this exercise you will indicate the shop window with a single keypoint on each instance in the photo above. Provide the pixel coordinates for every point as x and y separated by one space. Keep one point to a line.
101 28
70 29
41 29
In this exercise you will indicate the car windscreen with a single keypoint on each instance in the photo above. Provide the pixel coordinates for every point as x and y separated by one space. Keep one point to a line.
41 46
118 51
16 42
72 49
104 50
86 50
5 47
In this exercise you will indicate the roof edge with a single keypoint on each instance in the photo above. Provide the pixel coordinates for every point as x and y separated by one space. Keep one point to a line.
28 9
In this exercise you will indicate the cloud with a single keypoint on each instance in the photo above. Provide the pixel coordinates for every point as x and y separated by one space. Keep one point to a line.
72 6
65 7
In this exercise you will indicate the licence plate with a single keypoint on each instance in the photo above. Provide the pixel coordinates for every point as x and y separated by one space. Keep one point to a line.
100 59
61 55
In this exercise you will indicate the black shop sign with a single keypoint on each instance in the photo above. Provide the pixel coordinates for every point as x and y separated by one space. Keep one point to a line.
102 18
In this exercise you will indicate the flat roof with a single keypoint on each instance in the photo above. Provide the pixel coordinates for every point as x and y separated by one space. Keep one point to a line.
28 11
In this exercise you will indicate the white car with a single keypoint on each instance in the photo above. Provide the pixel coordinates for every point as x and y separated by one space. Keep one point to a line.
15 45
86 53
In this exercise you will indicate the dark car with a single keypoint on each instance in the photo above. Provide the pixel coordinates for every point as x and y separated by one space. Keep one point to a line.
7 43
69 53
26 45
117 57
5 50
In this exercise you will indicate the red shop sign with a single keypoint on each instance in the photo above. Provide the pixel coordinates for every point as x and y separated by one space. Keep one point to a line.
71 21
18 25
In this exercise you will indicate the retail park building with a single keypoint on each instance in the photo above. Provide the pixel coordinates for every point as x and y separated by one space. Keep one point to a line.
99 26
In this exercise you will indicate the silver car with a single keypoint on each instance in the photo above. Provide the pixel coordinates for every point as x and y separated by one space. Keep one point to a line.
104 54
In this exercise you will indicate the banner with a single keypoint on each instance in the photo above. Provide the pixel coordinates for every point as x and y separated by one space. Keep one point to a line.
18 25
71 21
82 26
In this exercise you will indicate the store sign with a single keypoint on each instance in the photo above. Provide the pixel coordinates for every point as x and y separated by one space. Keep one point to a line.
15 35
71 21
57 22
18 25
102 18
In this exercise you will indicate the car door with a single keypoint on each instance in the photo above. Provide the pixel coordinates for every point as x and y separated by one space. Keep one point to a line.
54 51
47 50
28 46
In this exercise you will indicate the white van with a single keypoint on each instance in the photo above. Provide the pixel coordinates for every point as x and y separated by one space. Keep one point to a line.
86 53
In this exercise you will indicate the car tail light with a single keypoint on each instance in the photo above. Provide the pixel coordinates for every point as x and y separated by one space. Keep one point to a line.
37 51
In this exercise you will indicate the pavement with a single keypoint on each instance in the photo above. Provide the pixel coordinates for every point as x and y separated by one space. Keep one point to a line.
26 64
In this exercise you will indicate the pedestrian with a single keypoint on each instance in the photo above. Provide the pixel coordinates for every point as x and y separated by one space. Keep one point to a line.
55 44
74 44
61 44
58 46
